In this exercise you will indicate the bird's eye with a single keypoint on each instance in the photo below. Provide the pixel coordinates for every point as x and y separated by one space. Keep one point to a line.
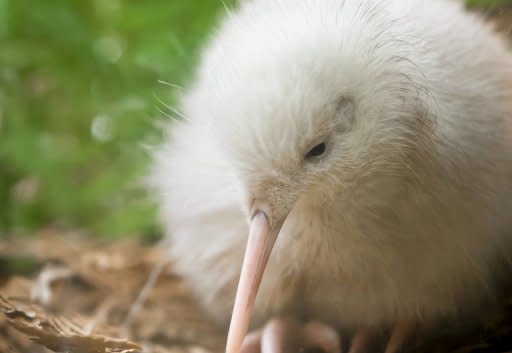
316 151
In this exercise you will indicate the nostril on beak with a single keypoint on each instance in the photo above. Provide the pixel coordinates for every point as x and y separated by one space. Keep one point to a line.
259 205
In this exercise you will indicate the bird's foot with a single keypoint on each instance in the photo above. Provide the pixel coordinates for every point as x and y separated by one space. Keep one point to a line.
398 338
285 335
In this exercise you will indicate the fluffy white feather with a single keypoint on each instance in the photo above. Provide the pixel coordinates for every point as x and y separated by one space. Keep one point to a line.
408 216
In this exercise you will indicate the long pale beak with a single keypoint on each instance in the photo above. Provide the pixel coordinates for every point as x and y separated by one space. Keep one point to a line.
259 246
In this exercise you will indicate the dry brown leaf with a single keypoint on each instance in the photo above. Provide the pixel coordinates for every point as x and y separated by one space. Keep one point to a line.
60 334
103 283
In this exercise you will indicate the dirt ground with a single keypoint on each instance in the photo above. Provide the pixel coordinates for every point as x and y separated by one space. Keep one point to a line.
64 293
73 295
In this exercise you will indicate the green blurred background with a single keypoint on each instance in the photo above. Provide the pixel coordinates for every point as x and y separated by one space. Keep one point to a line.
82 84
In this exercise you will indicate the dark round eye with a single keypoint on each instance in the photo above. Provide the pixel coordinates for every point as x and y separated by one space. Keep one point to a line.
316 151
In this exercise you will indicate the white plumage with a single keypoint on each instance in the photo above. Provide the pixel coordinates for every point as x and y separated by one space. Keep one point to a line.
407 216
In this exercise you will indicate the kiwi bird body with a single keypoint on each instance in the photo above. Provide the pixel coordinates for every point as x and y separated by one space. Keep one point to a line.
378 136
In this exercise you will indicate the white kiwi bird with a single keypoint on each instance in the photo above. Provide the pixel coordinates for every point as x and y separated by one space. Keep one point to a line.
366 148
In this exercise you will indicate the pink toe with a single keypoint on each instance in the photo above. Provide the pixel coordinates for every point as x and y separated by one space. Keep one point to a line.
252 343
400 336
362 341
280 336
318 335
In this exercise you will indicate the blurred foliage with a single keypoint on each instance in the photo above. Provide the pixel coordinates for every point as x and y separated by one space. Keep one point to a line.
79 96
488 3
